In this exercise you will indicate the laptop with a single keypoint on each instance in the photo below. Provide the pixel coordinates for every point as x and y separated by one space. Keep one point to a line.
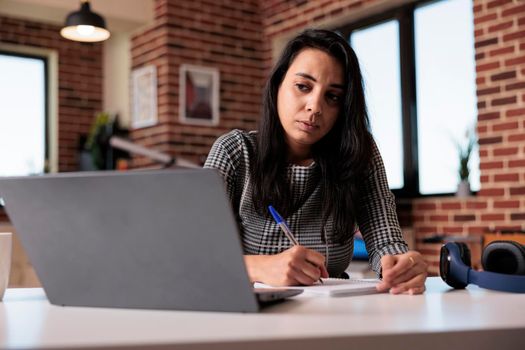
144 239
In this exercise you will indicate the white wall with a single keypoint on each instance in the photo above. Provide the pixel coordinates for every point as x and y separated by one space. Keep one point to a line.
117 65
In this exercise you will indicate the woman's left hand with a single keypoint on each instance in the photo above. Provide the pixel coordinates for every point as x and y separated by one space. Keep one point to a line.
403 273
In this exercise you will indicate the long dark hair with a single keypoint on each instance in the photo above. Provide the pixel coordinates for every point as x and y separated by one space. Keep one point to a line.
343 155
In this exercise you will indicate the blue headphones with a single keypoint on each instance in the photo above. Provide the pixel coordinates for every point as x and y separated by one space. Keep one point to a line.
503 262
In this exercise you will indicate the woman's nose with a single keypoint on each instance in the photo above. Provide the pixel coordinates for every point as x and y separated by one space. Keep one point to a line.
314 105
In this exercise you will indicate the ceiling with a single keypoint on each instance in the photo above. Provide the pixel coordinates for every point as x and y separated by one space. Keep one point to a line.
137 13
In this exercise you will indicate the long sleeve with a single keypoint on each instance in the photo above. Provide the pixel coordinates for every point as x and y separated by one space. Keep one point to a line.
220 159
377 217
230 157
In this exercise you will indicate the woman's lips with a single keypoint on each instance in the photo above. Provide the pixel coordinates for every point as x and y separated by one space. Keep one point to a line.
306 126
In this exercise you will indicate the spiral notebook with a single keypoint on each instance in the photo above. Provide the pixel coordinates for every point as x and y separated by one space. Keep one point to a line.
335 287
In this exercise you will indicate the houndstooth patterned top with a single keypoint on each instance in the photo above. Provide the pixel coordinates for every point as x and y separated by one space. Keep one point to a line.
377 219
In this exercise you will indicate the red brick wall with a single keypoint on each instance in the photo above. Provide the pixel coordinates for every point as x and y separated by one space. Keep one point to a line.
286 17
500 76
184 35
283 16
224 35
236 37
79 80
500 65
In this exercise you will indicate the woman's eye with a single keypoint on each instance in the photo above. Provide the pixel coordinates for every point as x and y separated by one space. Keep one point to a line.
302 87
334 98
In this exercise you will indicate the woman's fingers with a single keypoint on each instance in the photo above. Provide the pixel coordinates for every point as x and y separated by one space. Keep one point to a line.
403 273
416 284
313 257
302 278
416 290
394 265
295 266
303 267
318 260
408 274
308 263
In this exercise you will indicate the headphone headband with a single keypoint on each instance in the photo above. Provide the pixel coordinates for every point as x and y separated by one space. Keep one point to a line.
455 270
497 281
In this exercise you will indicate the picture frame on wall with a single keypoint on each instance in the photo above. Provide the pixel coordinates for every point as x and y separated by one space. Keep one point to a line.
199 95
144 90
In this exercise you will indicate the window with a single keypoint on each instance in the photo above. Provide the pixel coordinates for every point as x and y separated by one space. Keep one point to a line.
445 90
23 117
419 77
383 92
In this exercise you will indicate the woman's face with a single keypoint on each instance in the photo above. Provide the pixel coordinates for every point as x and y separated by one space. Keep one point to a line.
309 99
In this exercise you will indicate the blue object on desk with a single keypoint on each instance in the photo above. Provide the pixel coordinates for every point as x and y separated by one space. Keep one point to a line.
360 252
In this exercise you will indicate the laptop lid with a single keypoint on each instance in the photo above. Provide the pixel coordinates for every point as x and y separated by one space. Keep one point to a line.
147 239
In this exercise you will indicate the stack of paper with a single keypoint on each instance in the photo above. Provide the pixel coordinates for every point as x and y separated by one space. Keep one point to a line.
335 287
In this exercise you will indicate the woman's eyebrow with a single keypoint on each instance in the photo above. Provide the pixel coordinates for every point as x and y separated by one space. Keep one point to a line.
309 77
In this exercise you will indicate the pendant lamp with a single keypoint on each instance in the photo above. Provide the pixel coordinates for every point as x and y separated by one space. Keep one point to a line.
85 26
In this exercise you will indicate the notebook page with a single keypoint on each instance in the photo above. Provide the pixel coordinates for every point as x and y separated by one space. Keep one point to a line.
335 287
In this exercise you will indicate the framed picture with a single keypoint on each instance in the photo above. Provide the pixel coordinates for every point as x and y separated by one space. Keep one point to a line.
199 95
144 89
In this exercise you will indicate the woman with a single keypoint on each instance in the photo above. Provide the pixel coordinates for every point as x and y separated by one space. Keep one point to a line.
314 160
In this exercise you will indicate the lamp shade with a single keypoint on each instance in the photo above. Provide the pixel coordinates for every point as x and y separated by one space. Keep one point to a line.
84 25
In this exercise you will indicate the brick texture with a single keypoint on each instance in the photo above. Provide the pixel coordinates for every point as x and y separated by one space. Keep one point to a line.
500 75
225 35
79 80
236 37
500 72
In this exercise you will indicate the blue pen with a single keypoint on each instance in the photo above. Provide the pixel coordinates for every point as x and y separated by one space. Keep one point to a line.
284 227
282 224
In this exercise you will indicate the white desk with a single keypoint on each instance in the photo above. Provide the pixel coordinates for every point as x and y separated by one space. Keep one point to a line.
440 319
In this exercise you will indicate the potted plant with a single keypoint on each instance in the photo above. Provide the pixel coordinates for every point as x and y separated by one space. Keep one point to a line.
94 147
97 140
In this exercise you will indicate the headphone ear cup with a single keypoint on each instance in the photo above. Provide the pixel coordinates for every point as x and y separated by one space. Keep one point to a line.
464 253
506 257
448 266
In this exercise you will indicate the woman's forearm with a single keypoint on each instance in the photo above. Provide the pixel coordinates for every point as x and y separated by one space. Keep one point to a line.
254 266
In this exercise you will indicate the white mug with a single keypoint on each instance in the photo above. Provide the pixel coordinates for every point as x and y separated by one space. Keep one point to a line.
5 260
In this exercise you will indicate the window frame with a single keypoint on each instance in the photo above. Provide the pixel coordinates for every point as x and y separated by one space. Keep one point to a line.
404 14
45 60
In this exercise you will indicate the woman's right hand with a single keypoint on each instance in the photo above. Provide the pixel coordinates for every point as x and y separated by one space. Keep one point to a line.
295 266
